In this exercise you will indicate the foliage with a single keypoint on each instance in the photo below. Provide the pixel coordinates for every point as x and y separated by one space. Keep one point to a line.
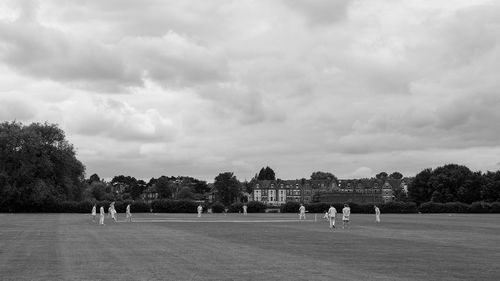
185 194
174 206
324 176
37 166
398 207
236 208
381 175
290 207
164 187
217 207
266 174
396 176
228 187
256 207
449 183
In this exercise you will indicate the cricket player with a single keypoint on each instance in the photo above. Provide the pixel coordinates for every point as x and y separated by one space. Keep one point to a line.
326 216
112 211
200 209
302 212
128 214
346 212
93 213
245 207
377 214
101 218
332 213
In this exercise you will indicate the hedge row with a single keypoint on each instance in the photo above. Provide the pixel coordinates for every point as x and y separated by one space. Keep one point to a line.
399 207
458 207
77 207
186 206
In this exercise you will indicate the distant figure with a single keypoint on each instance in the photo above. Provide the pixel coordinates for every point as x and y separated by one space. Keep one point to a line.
128 214
101 218
245 207
346 212
93 213
112 211
326 216
377 214
200 209
302 212
332 213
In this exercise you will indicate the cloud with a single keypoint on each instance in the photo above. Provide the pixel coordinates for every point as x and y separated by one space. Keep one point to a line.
117 120
16 110
151 88
320 11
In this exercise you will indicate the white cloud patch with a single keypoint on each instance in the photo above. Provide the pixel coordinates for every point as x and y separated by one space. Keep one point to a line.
352 87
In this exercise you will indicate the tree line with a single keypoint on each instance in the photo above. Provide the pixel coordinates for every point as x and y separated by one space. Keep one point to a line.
39 166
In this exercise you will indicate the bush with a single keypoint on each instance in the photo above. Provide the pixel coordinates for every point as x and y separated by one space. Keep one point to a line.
217 207
256 207
315 208
174 206
398 207
236 208
480 207
290 207
495 207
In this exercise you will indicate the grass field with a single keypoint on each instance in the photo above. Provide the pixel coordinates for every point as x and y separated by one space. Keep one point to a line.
253 247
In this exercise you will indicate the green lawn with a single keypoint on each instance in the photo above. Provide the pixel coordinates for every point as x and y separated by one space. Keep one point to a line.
254 247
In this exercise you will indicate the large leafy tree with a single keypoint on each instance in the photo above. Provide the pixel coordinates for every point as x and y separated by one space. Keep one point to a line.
227 186
396 176
419 190
37 165
266 174
323 176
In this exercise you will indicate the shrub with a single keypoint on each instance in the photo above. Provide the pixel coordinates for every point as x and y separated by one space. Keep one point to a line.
290 207
256 207
495 207
397 207
316 207
480 207
236 208
217 207
174 206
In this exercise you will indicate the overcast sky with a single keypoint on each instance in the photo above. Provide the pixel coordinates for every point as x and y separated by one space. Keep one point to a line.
195 88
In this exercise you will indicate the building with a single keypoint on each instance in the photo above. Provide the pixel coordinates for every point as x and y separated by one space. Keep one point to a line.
361 191
150 194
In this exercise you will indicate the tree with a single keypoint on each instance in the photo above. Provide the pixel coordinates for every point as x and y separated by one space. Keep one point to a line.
324 176
227 187
37 165
164 187
419 190
381 176
94 178
396 176
266 174
185 193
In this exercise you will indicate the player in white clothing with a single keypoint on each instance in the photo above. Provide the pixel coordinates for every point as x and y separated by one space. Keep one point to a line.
112 210
101 218
128 214
200 209
377 214
245 207
346 213
302 212
332 213
93 213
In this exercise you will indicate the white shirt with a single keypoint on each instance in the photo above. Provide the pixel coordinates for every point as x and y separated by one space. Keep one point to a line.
346 211
332 212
